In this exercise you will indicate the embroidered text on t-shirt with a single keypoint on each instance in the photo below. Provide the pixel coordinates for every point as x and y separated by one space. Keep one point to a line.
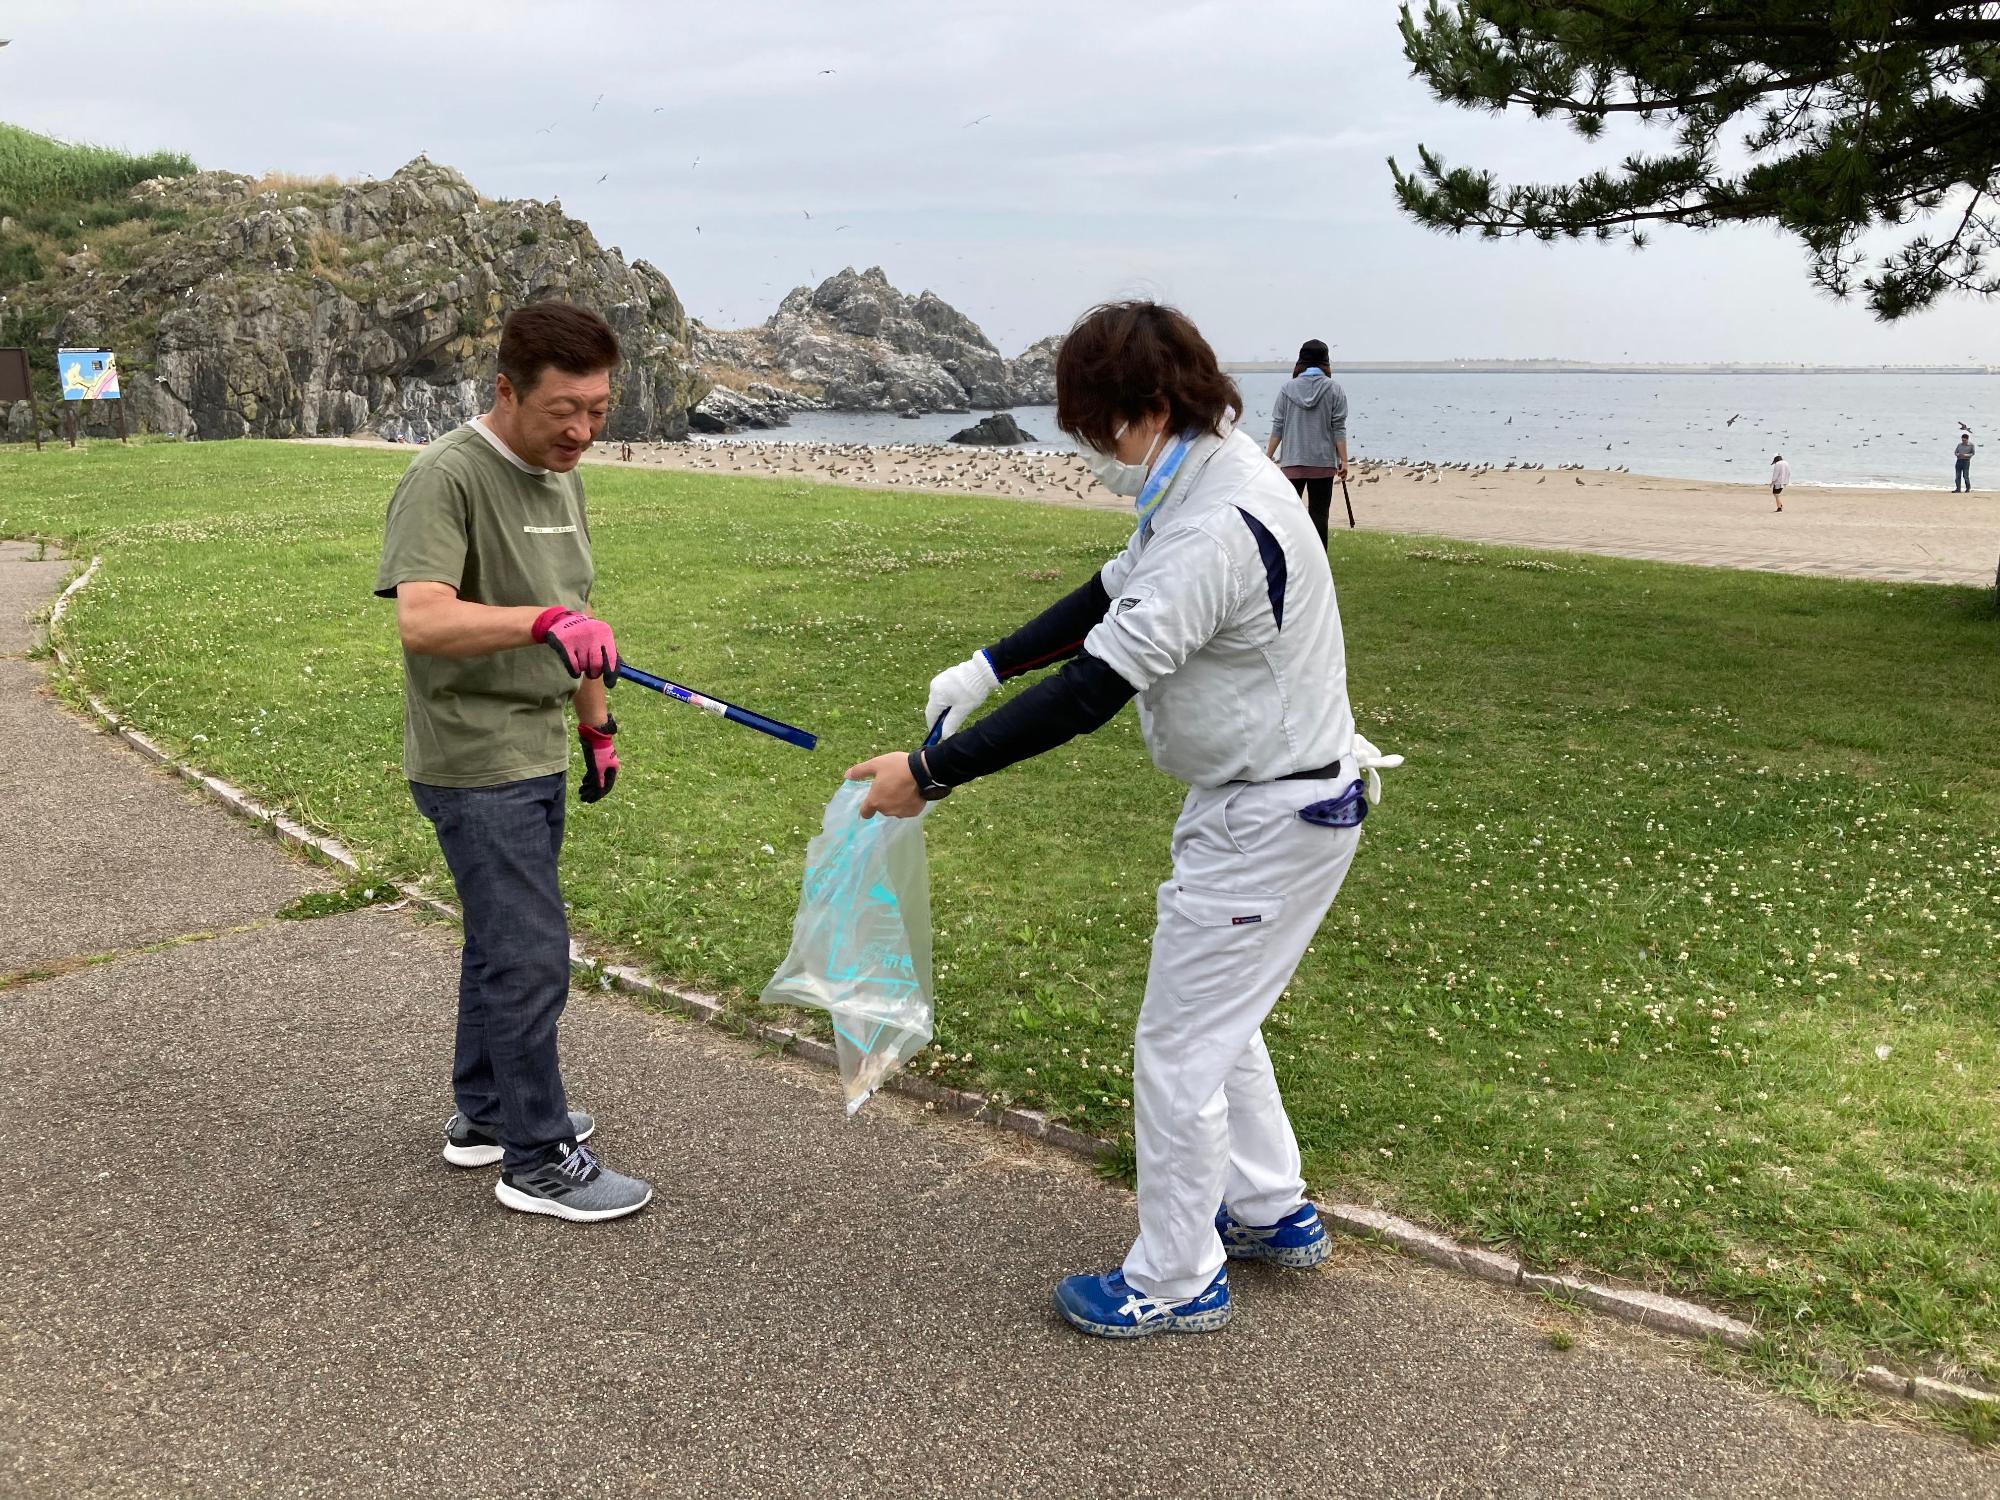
549 530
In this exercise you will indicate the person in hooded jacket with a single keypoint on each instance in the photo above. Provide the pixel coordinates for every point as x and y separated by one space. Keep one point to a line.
1219 617
1309 432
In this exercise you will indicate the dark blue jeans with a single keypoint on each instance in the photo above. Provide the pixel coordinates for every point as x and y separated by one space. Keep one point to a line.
1961 478
501 843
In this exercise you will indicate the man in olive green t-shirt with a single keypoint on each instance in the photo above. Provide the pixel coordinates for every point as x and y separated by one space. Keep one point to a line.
487 555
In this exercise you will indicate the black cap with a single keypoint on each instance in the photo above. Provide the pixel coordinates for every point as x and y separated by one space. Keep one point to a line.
1313 352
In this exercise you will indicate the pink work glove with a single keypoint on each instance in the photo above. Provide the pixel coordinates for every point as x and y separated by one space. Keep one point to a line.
600 760
584 644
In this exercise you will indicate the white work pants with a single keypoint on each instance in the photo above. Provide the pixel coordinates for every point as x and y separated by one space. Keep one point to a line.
1251 882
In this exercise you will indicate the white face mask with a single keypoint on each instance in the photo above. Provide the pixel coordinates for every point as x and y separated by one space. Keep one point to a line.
1113 472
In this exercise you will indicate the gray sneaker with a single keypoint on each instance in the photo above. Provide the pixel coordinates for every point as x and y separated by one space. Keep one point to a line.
466 1145
573 1184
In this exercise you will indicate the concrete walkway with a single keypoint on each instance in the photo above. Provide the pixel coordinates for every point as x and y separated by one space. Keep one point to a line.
235 1264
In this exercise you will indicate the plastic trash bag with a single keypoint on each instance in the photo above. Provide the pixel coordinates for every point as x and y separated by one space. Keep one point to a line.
861 943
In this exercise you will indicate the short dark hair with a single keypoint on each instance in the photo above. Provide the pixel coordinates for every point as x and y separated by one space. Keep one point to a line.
573 339
1312 355
1124 360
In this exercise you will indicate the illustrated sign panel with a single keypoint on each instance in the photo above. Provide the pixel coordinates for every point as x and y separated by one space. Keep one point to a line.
14 375
88 374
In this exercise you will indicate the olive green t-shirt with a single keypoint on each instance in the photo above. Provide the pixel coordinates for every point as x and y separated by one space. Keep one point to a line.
499 533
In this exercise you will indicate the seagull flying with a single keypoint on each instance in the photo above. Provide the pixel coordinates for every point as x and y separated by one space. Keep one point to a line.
607 174
548 127
970 123
595 102
1733 420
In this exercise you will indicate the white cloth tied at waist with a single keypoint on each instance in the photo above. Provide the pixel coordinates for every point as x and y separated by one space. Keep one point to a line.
1371 763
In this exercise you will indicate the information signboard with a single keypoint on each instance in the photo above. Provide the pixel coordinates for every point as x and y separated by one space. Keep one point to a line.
88 374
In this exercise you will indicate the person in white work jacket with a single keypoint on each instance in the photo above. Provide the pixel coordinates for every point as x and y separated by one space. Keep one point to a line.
1219 617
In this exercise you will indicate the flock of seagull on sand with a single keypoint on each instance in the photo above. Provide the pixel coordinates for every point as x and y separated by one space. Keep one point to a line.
994 471
1422 469
927 466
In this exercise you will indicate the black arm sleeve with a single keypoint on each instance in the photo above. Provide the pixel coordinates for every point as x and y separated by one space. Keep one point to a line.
1055 633
1085 695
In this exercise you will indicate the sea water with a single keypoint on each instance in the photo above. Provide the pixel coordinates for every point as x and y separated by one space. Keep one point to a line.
1888 429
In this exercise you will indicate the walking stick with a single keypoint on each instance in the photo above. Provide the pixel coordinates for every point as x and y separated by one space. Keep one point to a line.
1350 502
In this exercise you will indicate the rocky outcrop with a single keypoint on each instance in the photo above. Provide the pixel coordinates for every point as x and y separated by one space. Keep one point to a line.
330 309
997 431
17 423
375 306
864 346
1033 372
757 406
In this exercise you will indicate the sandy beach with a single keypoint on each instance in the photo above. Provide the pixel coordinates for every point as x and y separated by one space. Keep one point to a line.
1896 535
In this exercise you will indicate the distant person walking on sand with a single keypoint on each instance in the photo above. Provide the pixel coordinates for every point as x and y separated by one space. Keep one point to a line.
1781 475
1310 421
1961 478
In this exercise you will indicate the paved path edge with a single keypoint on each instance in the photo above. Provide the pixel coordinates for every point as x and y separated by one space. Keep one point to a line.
1655 1311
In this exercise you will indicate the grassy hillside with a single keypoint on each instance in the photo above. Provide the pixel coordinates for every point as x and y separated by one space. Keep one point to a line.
37 167
57 194
60 200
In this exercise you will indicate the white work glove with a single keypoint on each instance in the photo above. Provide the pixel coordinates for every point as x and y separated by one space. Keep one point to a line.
957 691
1372 763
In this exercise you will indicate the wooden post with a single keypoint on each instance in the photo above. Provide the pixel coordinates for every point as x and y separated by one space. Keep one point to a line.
69 420
17 383
121 421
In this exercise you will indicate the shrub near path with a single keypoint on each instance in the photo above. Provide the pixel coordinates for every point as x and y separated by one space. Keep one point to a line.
1671 951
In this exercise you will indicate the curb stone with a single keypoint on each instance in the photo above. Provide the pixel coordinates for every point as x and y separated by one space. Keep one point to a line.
1425 1244
1885 1382
1646 1309
1671 1314
1928 1392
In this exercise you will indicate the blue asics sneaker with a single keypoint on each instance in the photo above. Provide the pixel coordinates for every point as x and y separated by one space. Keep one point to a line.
1112 1308
1298 1240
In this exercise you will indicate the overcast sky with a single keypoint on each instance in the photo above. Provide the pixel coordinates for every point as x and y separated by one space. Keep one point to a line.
1226 156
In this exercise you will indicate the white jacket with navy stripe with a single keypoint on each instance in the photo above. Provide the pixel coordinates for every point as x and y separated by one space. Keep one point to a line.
1223 618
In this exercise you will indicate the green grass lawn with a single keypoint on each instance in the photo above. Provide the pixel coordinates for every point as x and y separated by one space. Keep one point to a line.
1671 952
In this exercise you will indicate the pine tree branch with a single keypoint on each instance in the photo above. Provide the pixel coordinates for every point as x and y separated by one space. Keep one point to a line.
1924 31
1853 117
1661 103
